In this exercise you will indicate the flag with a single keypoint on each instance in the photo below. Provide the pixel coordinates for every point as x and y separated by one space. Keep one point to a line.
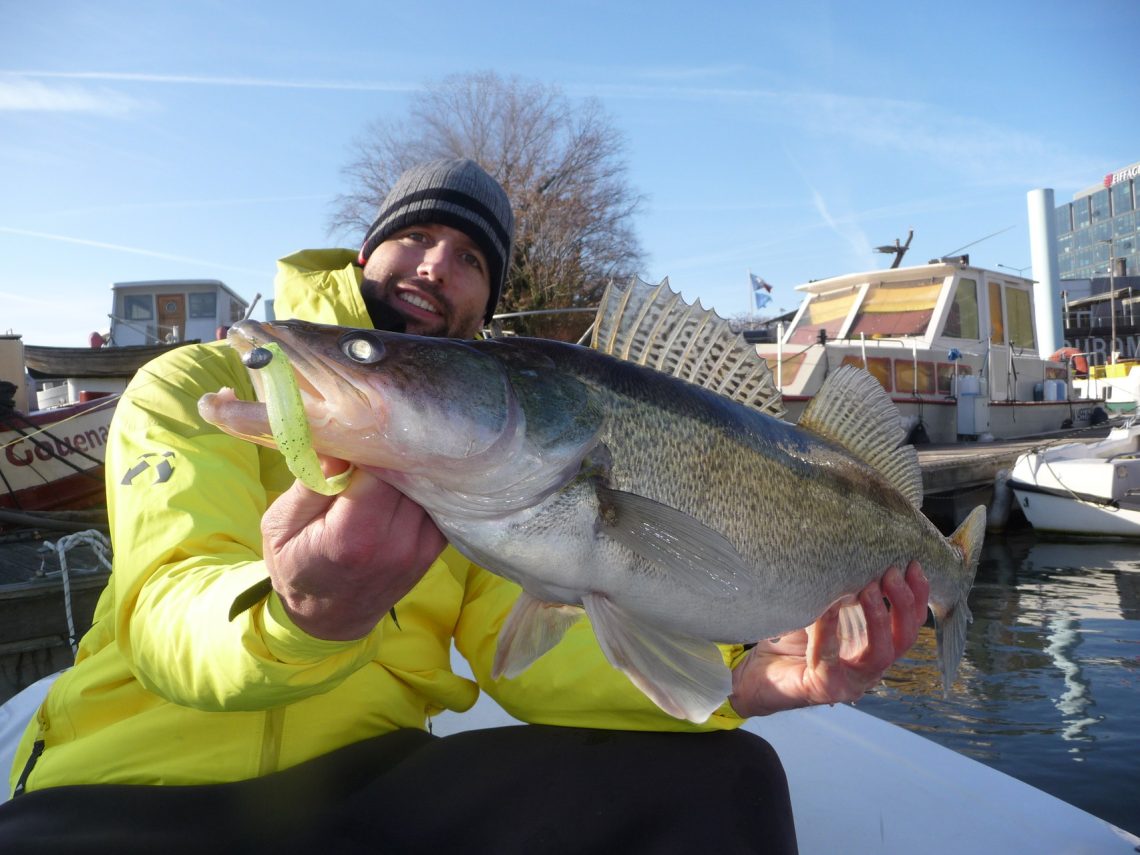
761 291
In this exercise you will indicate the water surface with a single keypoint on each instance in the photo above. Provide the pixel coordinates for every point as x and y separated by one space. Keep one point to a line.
1049 689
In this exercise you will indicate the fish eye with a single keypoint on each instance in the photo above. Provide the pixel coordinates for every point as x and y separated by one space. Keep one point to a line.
361 349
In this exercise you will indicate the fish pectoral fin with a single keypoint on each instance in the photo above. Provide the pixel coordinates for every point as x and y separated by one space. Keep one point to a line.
686 677
531 629
852 628
672 539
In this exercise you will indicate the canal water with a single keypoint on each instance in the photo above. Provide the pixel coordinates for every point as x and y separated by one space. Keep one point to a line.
1049 689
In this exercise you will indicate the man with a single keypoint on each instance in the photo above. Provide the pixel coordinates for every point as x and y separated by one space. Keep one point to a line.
284 719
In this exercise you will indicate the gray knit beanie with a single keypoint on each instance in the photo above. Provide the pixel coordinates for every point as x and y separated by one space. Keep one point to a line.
454 193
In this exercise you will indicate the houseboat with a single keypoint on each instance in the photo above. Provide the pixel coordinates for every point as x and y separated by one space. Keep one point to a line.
953 344
172 310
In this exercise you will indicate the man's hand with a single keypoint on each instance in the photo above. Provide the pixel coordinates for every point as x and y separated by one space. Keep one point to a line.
339 563
805 667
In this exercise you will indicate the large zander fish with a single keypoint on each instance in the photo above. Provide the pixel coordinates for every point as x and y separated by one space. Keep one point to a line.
673 516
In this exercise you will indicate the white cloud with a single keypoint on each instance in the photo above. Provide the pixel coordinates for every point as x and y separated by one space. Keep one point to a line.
21 94
216 80
132 250
845 227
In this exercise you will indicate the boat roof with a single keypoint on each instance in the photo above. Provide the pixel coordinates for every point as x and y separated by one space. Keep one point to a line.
934 270
178 285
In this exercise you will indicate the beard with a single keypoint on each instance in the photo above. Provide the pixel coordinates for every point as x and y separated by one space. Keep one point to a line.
383 316
381 300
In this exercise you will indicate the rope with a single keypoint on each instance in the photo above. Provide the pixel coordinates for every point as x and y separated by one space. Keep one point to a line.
98 544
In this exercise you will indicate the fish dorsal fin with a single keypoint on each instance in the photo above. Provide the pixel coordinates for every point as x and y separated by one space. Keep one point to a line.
653 326
852 410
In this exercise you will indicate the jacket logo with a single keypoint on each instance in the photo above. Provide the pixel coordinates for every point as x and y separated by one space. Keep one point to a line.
162 468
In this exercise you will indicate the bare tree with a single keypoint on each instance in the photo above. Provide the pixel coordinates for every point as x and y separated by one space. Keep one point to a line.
561 164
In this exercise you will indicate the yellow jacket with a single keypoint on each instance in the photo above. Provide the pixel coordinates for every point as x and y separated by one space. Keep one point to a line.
167 689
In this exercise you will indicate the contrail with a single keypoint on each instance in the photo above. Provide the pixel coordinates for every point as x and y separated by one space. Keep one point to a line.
131 249
208 80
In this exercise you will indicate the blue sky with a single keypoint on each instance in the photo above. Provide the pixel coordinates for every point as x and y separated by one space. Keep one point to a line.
206 138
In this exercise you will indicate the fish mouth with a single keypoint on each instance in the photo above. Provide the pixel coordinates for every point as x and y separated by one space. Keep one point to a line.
317 380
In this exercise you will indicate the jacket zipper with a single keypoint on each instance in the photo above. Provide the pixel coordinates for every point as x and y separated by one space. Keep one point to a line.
37 750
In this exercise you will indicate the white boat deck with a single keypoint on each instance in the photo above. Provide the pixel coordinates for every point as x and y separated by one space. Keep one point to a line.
858 784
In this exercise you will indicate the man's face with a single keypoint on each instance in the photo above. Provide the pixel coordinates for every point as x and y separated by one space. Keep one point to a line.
427 280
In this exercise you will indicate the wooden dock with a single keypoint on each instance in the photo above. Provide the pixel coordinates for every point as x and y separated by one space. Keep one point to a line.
967 465
958 477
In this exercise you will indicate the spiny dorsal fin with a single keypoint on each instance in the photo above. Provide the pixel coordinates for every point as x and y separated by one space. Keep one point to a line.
654 326
852 410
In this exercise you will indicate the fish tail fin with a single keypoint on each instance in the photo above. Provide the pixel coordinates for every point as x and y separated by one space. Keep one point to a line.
951 619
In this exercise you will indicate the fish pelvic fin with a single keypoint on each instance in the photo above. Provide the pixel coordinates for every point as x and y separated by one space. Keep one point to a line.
853 411
653 325
532 628
686 677
951 619
685 547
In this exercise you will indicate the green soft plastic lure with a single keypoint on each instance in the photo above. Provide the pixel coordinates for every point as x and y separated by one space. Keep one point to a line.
290 428
287 421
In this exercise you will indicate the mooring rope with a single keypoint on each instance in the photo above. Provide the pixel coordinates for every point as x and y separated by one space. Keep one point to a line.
100 545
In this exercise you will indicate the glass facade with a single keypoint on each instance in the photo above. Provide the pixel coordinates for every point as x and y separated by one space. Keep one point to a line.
1100 226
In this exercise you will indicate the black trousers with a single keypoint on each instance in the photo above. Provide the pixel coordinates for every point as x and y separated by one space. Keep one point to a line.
525 789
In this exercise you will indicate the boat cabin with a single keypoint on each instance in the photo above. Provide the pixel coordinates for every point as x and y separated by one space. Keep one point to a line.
938 334
172 310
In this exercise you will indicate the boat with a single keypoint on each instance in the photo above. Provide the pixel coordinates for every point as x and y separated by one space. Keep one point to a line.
53 459
954 345
858 784
1085 489
62 363
163 311
1117 382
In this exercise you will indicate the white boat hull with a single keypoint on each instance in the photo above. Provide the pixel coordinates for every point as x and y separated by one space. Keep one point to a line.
53 459
858 784
1083 489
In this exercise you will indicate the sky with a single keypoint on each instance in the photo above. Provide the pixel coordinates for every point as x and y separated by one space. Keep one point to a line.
207 138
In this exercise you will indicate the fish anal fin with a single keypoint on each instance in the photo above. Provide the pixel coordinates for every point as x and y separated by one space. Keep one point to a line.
532 628
852 629
693 553
853 411
686 677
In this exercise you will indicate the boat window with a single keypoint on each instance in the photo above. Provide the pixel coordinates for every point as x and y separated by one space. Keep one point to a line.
896 309
962 319
878 367
1019 307
203 305
997 319
138 307
914 378
791 367
824 312
945 377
